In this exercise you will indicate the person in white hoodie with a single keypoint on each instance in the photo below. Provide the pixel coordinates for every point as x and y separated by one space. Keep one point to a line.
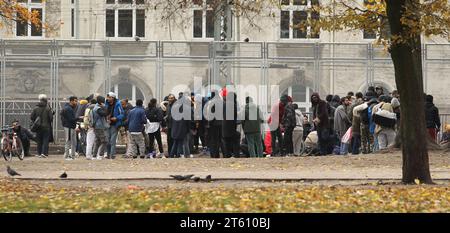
297 136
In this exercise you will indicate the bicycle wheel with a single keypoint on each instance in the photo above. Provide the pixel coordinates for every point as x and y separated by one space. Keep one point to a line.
5 150
17 149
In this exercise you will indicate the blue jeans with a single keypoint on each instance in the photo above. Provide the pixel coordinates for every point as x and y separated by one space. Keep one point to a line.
112 139
344 148
177 148
356 144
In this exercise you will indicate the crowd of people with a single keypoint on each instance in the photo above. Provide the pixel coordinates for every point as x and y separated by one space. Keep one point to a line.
357 123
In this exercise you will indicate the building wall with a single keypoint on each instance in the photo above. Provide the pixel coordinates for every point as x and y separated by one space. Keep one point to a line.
84 77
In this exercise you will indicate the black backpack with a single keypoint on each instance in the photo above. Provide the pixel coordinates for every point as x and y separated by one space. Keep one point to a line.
153 115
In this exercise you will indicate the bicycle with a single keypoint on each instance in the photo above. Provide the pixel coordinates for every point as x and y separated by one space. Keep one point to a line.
11 144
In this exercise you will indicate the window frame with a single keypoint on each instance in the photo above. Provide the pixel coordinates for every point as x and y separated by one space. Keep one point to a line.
291 8
116 6
32 5
204 8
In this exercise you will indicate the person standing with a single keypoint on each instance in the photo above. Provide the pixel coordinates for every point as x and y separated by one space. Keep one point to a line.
385 132
229 126
432 117
155 117
136 122
101 126
341 119
69 122
44 131
169 121
115 118
289 123
297 136
89 126
214 115
180 126
356 124
322 123
275 120
251 124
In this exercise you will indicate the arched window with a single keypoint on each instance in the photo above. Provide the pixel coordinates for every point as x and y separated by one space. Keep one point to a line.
128 91
301 95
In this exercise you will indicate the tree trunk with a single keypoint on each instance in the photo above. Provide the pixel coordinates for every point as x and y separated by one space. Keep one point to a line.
406 57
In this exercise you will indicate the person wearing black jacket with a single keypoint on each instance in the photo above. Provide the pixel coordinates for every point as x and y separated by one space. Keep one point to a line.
213 108
24 135
289 123
69 122
231 138
155 115
432 117
44 132
169 121
322 123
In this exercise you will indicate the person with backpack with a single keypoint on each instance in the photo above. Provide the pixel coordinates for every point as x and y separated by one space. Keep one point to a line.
385 120
69 122
100 125
88 121
115 118
42 118
365 112
155 116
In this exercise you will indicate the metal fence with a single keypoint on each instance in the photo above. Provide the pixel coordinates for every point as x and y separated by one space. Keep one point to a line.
150 69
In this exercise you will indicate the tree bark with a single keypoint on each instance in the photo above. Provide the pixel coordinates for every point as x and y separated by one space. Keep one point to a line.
406 57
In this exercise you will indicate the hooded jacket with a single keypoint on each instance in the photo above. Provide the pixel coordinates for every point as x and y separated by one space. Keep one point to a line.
432 116
320 112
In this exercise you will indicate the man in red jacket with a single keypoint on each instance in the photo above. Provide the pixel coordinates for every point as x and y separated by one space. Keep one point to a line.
275 120
321 122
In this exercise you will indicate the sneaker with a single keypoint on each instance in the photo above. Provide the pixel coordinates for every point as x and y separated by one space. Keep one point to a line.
268 156
39 156
44 156
69 159
191 156
182 156
150 156
163 157
99 158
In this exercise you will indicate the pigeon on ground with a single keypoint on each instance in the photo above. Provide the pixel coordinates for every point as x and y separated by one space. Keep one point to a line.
208 178
181 178
11 172
196 179
63 176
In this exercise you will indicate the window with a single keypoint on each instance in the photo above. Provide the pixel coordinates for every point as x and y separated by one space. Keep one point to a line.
125 18
73 18
25 28
383 31
203 26
301 95
128 91
295 17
